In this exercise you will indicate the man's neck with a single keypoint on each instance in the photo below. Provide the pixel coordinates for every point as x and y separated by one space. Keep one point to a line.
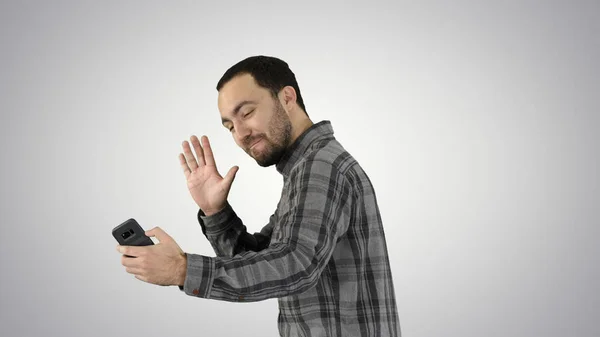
300 127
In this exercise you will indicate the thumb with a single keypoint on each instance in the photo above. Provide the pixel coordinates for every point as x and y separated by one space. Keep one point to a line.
158 233
231 175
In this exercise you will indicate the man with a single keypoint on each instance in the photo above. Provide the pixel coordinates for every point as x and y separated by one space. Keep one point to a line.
323 254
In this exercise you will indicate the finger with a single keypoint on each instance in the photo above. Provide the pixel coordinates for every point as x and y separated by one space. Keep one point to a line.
157 232
184 165
141 278
133 251
230 176
189 156
127 261
132 270
198 149
208 154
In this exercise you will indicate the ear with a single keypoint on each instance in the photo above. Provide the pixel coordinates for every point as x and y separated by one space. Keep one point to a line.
288 95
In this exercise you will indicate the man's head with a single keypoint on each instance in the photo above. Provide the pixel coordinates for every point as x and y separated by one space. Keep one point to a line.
260 103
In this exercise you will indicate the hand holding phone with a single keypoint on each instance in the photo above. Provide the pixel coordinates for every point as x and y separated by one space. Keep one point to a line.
130 233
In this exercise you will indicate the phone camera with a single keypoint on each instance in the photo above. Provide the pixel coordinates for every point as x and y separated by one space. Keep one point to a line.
127 234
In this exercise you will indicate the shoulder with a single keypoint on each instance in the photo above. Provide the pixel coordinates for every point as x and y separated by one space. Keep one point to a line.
325 160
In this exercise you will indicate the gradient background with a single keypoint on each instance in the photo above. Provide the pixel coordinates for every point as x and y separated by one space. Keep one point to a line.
477 122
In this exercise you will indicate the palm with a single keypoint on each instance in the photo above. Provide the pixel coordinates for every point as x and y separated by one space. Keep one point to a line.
207 187
207 184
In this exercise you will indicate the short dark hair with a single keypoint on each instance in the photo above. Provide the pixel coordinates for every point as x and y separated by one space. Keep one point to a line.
269 72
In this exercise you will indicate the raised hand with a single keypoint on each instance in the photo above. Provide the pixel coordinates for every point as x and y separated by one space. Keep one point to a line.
207 187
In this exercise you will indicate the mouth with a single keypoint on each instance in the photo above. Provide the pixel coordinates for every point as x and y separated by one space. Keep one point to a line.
255 143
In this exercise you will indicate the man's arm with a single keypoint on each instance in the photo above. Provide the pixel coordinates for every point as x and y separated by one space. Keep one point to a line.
227 234
316 215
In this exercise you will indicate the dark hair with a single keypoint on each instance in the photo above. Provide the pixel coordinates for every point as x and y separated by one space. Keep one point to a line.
269 72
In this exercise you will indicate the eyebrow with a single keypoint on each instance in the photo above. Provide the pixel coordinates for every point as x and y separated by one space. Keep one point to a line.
237 110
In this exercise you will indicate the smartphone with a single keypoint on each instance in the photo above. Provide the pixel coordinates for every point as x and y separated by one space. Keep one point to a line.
130 233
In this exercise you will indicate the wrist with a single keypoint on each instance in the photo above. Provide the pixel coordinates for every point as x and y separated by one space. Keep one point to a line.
182 270
213 212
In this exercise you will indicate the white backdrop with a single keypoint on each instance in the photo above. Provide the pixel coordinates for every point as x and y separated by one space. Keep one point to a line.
476 122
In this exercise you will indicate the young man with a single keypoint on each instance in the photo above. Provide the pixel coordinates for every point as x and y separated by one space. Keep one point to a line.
323 254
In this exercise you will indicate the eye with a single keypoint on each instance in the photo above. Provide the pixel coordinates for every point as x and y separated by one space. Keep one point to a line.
248 113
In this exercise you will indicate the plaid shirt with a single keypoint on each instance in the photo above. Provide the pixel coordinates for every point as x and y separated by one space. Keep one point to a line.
323 254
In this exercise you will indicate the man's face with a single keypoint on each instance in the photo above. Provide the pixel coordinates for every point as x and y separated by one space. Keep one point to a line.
258 122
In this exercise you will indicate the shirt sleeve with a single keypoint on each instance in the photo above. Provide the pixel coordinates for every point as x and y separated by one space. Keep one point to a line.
314 214
227 234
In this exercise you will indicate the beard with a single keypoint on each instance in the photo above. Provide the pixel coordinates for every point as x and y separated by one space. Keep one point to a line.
280 129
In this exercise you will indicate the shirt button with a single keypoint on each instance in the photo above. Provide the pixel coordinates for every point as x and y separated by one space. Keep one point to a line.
195 292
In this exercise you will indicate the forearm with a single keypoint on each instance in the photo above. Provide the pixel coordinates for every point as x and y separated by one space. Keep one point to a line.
222 229
281 270
228 235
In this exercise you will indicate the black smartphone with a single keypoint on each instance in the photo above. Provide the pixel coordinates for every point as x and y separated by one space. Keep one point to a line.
130 233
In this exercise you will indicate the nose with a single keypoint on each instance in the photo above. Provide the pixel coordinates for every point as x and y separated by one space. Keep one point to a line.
241 133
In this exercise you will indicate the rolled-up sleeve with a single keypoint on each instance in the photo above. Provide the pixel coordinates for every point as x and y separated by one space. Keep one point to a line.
314 213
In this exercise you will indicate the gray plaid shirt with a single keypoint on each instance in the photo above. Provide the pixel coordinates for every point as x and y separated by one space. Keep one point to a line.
323 254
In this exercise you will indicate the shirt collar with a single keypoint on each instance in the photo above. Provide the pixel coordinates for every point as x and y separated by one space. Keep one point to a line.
296 151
